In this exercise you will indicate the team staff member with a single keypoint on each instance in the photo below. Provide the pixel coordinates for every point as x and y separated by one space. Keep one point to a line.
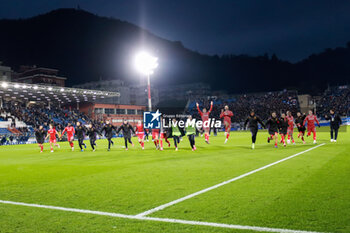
301 128
108 128
91 132
40 135
252 122
80 132
127 130
335 122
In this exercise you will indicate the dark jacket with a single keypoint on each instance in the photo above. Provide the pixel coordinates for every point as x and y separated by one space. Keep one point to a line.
127 129
40 135
80 131
108 128
253 121
334 119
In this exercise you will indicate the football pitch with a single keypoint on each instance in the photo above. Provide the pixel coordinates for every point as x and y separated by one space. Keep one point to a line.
218 188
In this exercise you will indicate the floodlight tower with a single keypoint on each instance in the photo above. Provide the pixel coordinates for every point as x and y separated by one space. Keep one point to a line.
146 64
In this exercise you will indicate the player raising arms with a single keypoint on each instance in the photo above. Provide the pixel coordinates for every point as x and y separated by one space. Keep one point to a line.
40 135
140 132
108 128
290 130
70 134
205 117
283 127
127 130
301 128
272 126
253 121
310 120
52 134
226 114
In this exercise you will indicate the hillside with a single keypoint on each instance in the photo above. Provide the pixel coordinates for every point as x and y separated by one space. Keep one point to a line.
86 47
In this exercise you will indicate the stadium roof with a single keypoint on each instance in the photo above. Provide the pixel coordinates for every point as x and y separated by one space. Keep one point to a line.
44 93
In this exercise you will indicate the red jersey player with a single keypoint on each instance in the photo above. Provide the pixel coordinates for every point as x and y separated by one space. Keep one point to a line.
205 118
52 134
290 119
140 134
226 114
310 120
155 137
70 134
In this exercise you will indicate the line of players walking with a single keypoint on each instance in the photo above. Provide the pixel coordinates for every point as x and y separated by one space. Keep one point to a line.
283 126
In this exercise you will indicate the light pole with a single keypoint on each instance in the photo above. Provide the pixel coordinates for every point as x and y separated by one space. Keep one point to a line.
146 64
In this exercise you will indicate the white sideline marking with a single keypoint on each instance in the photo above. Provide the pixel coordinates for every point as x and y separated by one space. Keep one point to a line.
161 207
169 220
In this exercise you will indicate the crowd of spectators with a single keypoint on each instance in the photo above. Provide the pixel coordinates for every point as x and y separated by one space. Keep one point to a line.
337 98
36 115
262 103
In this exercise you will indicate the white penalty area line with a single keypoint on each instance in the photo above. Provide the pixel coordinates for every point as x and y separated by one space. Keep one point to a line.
161 207
168 220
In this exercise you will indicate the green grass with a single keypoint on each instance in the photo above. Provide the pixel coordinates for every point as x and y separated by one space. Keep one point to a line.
308 192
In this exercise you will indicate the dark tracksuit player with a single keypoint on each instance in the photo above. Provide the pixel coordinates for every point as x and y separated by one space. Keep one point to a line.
252 122
108 128
272 126
127 130
80 133
301 128
335 122
40 135
91 132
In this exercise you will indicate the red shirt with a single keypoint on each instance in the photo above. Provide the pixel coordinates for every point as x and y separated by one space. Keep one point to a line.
205 115
226 115
310 120
70 131
52 133
139 129
290 121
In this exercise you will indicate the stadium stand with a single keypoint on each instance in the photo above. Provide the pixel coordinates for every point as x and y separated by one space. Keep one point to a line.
337 98
262 103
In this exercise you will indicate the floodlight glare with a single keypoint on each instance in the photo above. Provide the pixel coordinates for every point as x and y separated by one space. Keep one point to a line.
146 63
35 87
4 85
16 86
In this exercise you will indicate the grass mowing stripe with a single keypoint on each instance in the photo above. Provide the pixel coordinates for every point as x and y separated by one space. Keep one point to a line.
161 207
169 220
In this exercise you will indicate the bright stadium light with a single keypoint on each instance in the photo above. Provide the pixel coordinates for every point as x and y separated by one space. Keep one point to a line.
146 64
16 86
4 85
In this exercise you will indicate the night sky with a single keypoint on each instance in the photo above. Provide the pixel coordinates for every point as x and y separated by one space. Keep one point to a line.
291 29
